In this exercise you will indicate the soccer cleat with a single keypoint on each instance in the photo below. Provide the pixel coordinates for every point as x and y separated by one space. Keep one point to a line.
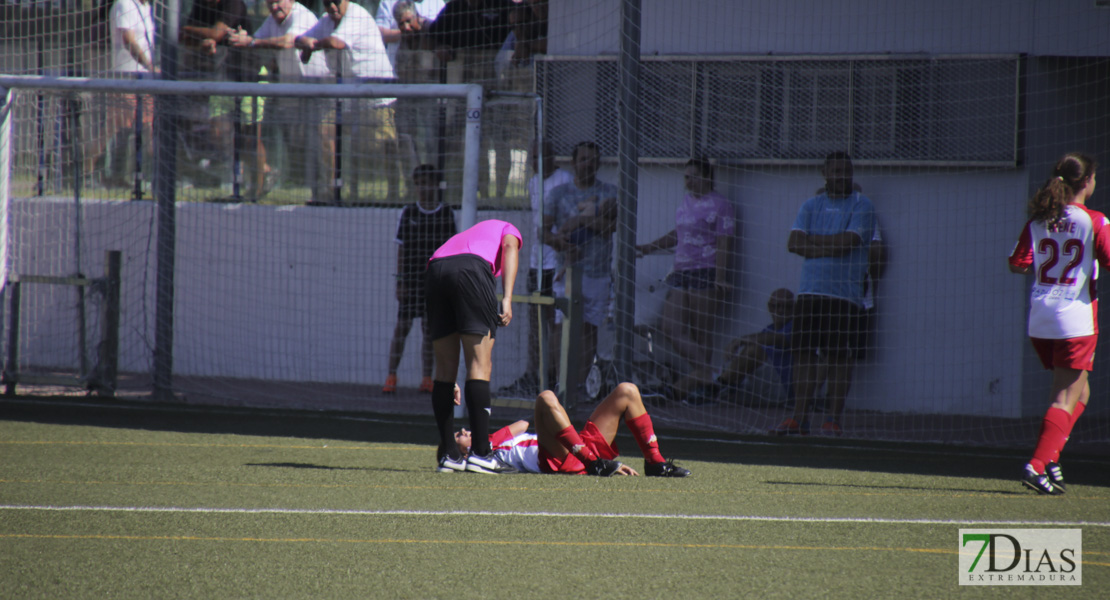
791 427
488 464
1055 475
1039 482
602 467
449 464
831 428
665 469
426 385
390 384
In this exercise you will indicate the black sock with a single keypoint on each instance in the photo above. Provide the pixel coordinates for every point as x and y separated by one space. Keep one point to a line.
443 407
477 406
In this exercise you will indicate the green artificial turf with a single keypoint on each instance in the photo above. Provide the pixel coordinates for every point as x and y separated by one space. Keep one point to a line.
137 507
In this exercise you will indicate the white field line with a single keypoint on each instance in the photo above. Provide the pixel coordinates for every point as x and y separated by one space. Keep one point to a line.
559 515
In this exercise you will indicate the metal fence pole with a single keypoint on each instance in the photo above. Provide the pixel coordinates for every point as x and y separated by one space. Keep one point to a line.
628 158
165 195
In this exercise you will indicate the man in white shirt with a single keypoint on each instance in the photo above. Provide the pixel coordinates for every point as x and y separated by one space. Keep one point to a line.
543 264
131 26
275 38
391 29
354 48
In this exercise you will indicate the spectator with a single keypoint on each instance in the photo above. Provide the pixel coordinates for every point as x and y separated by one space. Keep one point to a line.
354 49
770 346
463 311
414 61
132 35
392 27
579 221
541 273
1063 311
424 226
471 25
833 234
466 36
702 238
557 448
205 37
876 267
274 39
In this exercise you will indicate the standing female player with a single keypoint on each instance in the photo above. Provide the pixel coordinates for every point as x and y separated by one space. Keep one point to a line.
462 310
1063 245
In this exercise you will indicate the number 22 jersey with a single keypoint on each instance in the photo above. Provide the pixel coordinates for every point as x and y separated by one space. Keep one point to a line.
1065 260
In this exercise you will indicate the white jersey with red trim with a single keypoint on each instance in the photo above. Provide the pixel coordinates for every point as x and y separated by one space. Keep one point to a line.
521 452
1065 261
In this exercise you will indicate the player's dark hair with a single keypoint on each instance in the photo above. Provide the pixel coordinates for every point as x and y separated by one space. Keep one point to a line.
1069 177
702 164
590 145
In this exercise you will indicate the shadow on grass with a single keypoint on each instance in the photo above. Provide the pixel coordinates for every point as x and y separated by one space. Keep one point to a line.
852 455
854 486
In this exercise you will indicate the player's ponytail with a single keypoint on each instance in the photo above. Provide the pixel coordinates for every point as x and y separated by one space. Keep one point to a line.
1069 177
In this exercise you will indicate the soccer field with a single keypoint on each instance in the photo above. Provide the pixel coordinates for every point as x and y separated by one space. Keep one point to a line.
127 501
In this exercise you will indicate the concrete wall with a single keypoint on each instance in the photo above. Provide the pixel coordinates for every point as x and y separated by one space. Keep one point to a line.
1068 28
288 294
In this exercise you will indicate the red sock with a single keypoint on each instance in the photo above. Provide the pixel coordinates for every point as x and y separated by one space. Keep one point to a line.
644 434
1079 408
570 440
1054 434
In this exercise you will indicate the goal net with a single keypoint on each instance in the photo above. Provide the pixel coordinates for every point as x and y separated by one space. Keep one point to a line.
288 206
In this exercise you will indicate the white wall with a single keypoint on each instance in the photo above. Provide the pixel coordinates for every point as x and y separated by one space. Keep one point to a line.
290 294
951 316
1067 27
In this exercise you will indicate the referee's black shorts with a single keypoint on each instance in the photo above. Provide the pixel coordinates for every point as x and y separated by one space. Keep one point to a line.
461 296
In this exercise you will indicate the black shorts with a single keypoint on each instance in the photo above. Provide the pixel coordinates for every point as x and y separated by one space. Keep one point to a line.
823 324
694 279
866 333
461 297
411 304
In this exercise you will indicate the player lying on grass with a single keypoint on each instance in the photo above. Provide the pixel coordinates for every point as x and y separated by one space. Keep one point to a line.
557 448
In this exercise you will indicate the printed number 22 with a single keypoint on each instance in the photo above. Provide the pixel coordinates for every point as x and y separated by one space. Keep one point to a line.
1072 247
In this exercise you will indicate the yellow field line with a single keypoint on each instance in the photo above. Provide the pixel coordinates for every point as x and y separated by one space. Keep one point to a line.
574 544
495 542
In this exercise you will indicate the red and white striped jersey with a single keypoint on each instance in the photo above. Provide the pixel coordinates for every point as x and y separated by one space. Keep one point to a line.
522 452
1065 261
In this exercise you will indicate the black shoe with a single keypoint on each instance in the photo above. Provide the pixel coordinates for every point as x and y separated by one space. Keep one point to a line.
1055 475
489 464
1039 482
602 467
665 469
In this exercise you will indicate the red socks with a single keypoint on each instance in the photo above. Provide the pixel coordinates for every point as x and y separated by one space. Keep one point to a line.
1079 408
1054 434
644 434
570 440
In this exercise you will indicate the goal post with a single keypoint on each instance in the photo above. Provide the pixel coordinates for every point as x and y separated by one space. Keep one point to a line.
167 237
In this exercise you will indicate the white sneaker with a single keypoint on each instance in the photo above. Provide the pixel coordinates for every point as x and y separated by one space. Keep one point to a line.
451 465
488 464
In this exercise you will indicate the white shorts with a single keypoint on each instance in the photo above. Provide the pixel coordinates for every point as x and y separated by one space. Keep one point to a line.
596 296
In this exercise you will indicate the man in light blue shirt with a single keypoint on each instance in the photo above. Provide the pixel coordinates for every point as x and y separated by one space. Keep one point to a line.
833 234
